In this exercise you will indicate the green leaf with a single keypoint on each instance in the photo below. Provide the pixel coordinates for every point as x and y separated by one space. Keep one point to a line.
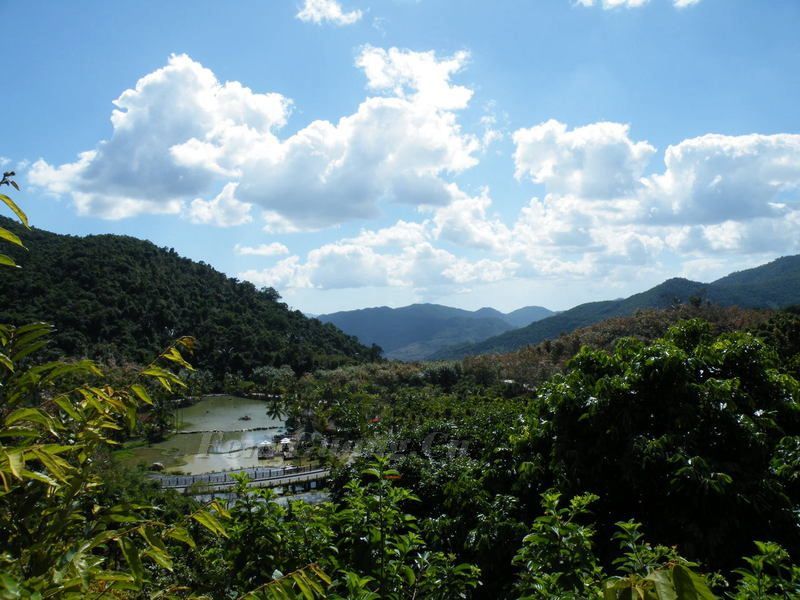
141 393
16 462
7 261
210 522
57 466
6 235
320 573
174 356
180 534
39 477
153 540
162 559
15 209
33 415
690 585
299 579
133 559
64 403
30 350
663 584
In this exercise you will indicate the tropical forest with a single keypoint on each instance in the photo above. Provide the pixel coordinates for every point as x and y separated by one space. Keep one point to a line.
255 346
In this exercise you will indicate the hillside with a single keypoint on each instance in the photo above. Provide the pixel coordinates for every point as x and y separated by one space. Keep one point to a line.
414 332
773 285
120 298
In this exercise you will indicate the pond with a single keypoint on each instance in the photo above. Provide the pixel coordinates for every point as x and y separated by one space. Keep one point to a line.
219 433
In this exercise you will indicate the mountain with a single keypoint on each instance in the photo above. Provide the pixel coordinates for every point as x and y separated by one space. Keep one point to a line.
527 315
121 298
774 285
414 332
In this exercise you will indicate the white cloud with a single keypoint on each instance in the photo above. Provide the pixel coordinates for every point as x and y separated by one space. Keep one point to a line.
272 249
465 222
344 264
418 76
166 132
180 135
223 211
716 193
715 178
595 161
401 234
601 216
611 4
327 11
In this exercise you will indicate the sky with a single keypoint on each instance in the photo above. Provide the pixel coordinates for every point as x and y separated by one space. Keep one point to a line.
358 153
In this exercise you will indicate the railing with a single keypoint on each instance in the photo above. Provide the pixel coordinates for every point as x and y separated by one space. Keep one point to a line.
256 474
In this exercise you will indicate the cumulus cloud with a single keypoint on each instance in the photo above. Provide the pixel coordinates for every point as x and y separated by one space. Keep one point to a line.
164 133
714 178
224 210
466 221
601 215
716 193
610 4
418 76
180 135
327 11
596 161
272 249
345 264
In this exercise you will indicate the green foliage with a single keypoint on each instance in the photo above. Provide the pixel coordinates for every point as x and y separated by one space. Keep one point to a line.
688 435
557 557
56 419
558 560
533 365
769 575
692 430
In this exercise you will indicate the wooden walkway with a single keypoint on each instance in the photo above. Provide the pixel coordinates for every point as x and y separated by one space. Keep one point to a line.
259 477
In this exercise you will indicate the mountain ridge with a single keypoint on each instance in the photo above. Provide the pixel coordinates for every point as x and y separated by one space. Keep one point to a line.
415 331
122 299
773 285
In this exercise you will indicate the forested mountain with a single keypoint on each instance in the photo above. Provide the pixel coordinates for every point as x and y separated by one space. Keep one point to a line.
119 298
415 332
773 285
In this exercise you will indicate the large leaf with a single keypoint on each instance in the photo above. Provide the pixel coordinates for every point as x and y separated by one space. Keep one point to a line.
141 393
210 522
132 557
7 261
6 235
180 534
15 209
690 585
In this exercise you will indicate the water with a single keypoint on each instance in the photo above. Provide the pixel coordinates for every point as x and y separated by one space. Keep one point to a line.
216 441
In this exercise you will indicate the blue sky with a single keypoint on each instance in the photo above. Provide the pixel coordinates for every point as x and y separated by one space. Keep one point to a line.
370 152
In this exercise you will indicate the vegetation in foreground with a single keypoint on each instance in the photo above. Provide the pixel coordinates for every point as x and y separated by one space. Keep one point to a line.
483 487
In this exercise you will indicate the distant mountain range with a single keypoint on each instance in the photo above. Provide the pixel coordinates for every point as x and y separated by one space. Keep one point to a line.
417 331
774 285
